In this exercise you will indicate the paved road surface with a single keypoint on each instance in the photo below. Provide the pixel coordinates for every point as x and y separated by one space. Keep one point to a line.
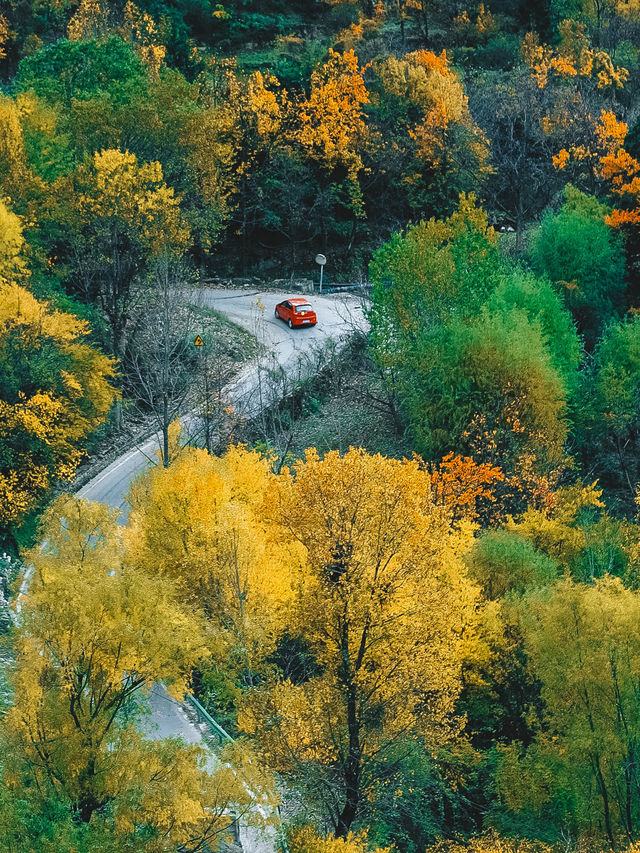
292 350
167 718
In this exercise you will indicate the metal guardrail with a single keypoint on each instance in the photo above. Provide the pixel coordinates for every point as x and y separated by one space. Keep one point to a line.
345 287
203 715
224 737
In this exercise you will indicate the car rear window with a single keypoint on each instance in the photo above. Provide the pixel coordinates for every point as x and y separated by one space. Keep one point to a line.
300 309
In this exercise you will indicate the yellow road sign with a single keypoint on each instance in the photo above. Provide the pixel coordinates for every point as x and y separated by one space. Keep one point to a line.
198 341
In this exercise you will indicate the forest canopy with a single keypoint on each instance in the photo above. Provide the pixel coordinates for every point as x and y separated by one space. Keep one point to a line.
406 582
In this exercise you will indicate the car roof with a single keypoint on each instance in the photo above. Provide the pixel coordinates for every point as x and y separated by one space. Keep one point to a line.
297 301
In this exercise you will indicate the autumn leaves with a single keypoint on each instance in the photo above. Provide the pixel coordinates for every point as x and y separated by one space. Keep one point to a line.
332 596
97 631
103 220
56 389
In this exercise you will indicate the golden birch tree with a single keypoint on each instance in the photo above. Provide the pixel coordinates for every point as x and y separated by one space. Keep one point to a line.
384 611
124 216
94 634
55 389
200 524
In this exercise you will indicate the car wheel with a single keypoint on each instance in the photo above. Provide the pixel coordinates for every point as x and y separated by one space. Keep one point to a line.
276 315
290 324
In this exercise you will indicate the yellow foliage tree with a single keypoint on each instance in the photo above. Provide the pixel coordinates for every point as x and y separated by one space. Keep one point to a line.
91 20
93 634
210 148
484 26
95 19
13 163
12 265
305 839
247 113
561 529
55 389
21 117
425 79
142 31
491 843
4 36
385 612
121 217
330 122
252 109
199 523
423 116
574 58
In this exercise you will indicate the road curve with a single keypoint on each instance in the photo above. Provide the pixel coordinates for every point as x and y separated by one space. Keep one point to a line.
292 350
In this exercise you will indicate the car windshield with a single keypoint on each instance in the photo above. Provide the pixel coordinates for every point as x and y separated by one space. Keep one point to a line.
300 309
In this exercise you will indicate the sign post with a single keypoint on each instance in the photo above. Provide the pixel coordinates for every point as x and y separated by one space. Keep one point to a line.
204 367
321 261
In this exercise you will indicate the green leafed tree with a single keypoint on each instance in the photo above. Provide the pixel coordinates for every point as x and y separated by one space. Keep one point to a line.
584 258
479 362
502 562
610 422
583 645
489 388
64 71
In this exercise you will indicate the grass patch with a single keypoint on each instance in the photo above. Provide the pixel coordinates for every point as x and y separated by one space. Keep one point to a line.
226 337
345 404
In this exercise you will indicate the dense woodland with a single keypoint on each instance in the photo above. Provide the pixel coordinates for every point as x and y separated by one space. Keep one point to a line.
430 649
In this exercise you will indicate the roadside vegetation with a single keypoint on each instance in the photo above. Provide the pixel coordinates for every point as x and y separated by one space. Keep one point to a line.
410 587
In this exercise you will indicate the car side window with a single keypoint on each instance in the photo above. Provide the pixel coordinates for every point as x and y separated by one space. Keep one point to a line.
287 305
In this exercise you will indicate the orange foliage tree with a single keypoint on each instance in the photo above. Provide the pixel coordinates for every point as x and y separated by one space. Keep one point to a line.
331 124
427 80
573 58
459 483
606 158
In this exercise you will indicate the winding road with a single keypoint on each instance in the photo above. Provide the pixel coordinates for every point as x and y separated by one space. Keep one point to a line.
294 351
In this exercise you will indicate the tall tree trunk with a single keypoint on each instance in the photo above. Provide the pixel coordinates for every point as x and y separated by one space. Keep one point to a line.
245 260
425 21
166 343
88 803
165 430
519 223
354 753
118 344
605 800
352 768
628 810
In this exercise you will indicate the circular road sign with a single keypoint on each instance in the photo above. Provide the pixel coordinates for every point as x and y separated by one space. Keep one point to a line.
320 259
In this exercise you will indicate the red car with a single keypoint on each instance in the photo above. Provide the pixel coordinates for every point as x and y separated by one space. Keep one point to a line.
296 312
